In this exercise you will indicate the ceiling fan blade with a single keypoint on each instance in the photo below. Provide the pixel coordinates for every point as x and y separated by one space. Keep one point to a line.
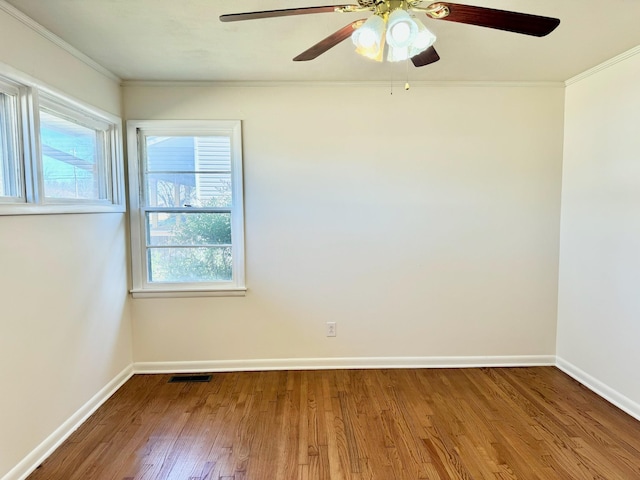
500 19
235 17
329 42
425 58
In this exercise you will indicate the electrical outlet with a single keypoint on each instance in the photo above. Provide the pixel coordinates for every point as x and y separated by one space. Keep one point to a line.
331 329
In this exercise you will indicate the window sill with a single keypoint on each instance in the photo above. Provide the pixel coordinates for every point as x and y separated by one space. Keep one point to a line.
168 293
7 209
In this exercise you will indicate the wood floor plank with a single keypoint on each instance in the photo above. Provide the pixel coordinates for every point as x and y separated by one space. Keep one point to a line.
447 424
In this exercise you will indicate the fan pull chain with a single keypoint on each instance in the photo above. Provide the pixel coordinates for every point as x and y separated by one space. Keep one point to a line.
406 85
391 86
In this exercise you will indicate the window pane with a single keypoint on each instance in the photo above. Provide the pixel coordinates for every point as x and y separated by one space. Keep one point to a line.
72 157
201 264
188 229
10 185
188 154
188 189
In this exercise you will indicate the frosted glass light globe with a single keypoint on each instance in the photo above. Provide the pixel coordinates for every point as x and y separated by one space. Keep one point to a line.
367 39
401 32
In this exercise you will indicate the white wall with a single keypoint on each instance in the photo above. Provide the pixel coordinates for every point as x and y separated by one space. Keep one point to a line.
33 54
425 223
64 324
599 304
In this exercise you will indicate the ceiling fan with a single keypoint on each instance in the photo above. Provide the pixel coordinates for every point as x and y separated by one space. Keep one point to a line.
393 30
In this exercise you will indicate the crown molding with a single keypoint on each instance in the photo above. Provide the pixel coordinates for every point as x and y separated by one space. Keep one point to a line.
603 66
397 85
56 40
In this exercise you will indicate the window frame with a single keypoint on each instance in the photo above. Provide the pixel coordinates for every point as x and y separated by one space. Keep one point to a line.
32 95
17 91
53 106
137 130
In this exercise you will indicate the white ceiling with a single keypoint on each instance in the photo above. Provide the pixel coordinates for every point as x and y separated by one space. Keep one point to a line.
183 40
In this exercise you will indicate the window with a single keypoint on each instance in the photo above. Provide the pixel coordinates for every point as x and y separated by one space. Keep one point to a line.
75 151
186 201
56 155
11 184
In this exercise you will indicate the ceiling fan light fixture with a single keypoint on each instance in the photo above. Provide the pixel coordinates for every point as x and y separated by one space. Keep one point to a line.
369 38
424 39
401 29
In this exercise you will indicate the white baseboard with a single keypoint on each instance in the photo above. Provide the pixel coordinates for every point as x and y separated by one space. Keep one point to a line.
28 464
343 363
605 391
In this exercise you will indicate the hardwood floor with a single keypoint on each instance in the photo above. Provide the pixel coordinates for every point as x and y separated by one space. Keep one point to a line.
437 424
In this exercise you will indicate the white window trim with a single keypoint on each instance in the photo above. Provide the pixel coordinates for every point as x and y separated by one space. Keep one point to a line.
141 287
20 93
31 92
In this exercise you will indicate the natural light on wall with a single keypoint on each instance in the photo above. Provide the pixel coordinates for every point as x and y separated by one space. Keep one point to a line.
405 37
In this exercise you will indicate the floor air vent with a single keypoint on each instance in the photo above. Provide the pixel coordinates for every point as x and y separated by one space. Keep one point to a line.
190 378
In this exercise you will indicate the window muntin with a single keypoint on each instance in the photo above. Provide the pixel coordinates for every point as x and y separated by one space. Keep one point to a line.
11 184
189 215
